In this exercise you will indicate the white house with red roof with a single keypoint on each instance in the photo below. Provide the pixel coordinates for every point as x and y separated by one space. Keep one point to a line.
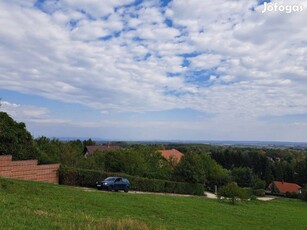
281 188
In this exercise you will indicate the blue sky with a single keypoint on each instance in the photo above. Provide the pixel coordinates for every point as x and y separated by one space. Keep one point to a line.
155 70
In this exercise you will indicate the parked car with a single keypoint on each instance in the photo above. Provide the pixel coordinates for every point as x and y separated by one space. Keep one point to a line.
114 183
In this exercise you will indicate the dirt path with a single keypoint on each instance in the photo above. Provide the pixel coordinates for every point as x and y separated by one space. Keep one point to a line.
266 198
136 192
207 194
210 195
162 194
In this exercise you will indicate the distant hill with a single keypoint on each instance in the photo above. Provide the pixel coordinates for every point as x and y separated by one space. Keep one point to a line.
269 144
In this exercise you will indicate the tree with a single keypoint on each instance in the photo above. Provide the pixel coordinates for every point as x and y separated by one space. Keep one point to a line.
157 166
88 142
70 155
232 191
50 149
301 169
257 183
268 177
15 139
190 169
243 176
303 195
215 174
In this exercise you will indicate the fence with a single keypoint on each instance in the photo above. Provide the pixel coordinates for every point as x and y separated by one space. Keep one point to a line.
28 170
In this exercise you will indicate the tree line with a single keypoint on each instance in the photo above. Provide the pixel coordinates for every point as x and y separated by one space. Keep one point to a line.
205 164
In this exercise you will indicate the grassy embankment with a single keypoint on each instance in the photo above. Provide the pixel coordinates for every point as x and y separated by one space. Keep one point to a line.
34 205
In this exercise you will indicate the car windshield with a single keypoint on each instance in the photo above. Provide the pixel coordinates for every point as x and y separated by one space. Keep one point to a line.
110 179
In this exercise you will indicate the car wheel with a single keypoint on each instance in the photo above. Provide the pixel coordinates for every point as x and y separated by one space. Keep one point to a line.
116 190
126 189
110 188
99 188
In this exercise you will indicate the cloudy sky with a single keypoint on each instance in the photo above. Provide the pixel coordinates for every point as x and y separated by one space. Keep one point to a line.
155 69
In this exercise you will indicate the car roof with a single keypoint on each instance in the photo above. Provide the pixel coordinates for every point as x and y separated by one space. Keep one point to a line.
116 177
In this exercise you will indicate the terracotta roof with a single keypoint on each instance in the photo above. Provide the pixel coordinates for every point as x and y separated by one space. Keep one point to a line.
284 187
171 154
93 148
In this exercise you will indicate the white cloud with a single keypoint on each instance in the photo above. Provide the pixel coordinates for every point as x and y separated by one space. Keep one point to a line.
259 60
205 61
94 8
23 112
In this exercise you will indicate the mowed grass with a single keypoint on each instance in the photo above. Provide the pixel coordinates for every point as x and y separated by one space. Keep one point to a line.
34 205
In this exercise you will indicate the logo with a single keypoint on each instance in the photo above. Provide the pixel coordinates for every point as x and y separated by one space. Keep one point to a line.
288 9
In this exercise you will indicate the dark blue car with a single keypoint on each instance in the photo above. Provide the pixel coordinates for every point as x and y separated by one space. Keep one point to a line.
113 183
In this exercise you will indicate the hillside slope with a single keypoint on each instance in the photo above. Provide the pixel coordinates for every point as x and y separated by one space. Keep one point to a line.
35 205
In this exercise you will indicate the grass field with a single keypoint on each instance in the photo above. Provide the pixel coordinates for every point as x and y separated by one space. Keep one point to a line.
34 205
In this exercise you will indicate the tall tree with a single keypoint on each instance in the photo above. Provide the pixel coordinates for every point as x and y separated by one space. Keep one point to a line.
215 174
243 176
268 176
15 139
190 169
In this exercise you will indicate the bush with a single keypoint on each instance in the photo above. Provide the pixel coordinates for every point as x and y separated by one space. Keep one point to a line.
88 178
258 183
303 195
259 192
292 195
246 193
233 192
85 178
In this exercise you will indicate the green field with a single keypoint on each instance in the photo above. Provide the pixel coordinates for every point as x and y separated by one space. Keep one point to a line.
34 205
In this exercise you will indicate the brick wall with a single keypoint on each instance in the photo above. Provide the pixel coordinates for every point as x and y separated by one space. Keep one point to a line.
28 170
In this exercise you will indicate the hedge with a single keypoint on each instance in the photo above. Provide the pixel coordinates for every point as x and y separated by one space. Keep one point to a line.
303 195
88 178
292 195
259 192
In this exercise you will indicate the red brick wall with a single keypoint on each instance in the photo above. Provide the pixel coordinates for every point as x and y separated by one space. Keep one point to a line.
28 170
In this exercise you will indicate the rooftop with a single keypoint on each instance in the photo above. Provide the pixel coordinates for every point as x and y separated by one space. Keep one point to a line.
171 154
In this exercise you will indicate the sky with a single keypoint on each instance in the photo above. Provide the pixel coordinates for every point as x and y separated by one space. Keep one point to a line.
156 69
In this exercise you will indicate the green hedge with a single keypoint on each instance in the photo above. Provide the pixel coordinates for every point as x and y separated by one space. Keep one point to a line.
303 195
88 178
292 195
259 192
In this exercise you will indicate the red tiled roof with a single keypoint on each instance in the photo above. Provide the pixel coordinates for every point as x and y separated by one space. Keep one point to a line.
284 187
93 148
171 154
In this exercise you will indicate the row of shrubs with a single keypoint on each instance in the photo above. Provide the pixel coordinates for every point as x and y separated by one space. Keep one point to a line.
302 195
88 178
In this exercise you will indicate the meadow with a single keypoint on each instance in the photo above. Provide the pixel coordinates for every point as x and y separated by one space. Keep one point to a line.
35 205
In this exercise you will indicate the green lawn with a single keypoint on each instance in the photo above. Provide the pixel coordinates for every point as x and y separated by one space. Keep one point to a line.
34 205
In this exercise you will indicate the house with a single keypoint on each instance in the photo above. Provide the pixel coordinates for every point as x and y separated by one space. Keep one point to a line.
281 188
172 154
90 149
